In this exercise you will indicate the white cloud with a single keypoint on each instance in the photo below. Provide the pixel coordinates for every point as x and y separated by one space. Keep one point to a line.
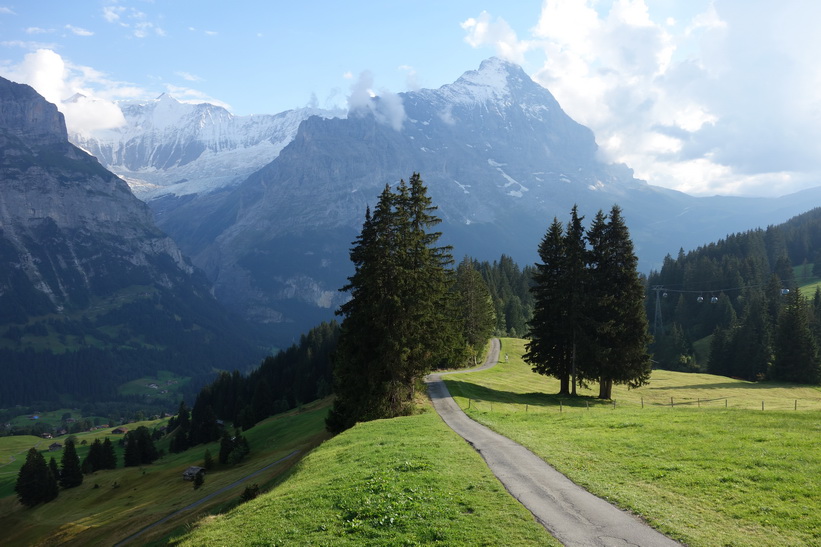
188 76
6 11
38 30
113 14
485 31
708 97
387 107
410 77
134 20
79 31
56 81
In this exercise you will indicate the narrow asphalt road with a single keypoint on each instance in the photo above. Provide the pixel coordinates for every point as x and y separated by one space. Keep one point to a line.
573 515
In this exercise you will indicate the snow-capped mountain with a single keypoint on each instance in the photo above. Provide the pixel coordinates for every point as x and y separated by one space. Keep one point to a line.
500 159
169 147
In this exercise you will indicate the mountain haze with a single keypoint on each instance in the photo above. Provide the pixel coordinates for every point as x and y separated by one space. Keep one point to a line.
500 158
89 286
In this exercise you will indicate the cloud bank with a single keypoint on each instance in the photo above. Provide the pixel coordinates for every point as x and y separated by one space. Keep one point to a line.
722 99
88 98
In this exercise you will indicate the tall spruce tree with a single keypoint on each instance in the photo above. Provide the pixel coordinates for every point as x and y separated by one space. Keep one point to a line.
71 474
549 350
796 349
475 307
399 322
617 307
36 483
559 327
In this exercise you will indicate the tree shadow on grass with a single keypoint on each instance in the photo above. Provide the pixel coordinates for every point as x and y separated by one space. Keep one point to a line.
468 390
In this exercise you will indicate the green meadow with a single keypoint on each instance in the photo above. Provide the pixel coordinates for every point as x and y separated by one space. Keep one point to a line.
405 481
693 454
713 469
111 505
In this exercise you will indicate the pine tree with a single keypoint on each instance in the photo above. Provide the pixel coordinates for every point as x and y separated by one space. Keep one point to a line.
108 457
475 307
559 329
36 483
617 307
94 458
70 475
399 322
52 467
180 439
796 349
549 350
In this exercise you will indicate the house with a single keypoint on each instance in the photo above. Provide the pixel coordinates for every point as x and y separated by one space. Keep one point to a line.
192 472
46 435
54 447
119 430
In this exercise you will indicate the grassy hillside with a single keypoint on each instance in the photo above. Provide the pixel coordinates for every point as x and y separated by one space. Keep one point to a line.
712 470
111 505
406 481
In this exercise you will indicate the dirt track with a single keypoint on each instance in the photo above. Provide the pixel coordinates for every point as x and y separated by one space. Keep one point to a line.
573 515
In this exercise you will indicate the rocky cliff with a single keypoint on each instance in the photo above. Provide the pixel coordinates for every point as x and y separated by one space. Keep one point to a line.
83 269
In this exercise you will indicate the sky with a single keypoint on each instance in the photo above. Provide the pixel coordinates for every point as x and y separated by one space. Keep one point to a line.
704 96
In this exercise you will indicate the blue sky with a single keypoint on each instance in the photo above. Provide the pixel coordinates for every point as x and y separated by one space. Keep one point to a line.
705 96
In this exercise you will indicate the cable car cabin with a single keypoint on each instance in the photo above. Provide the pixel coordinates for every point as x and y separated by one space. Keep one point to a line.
785 292
700 299
714 300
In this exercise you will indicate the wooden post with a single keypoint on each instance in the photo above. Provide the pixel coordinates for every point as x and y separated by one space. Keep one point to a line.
642 402
587 405
468 403
725 403
699 402
796 404
762 405
560 407
671 402
614 404
525 407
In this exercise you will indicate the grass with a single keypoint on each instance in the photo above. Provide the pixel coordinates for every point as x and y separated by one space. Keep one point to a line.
112 505
167 385
706 475
406 481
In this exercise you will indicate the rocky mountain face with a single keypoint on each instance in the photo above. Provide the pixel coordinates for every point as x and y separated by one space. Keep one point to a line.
500 159
86 277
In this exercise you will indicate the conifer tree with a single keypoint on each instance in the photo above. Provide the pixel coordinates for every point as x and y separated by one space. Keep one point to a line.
549 349
475 307
71 474
55 471
617 307
36 483
796 349
108 457
180 439
399 321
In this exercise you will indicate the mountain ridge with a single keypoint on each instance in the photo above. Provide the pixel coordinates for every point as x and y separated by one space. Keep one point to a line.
89 285
500 158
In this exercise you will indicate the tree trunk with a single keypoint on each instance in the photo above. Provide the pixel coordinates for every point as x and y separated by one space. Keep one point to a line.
573 366
605 388
564 385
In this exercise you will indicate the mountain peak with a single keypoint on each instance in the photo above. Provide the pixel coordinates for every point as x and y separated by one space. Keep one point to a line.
24 113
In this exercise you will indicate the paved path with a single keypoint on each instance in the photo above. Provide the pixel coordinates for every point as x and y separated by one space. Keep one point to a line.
573 515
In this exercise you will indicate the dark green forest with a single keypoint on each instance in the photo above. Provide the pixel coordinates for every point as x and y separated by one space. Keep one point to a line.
739 299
